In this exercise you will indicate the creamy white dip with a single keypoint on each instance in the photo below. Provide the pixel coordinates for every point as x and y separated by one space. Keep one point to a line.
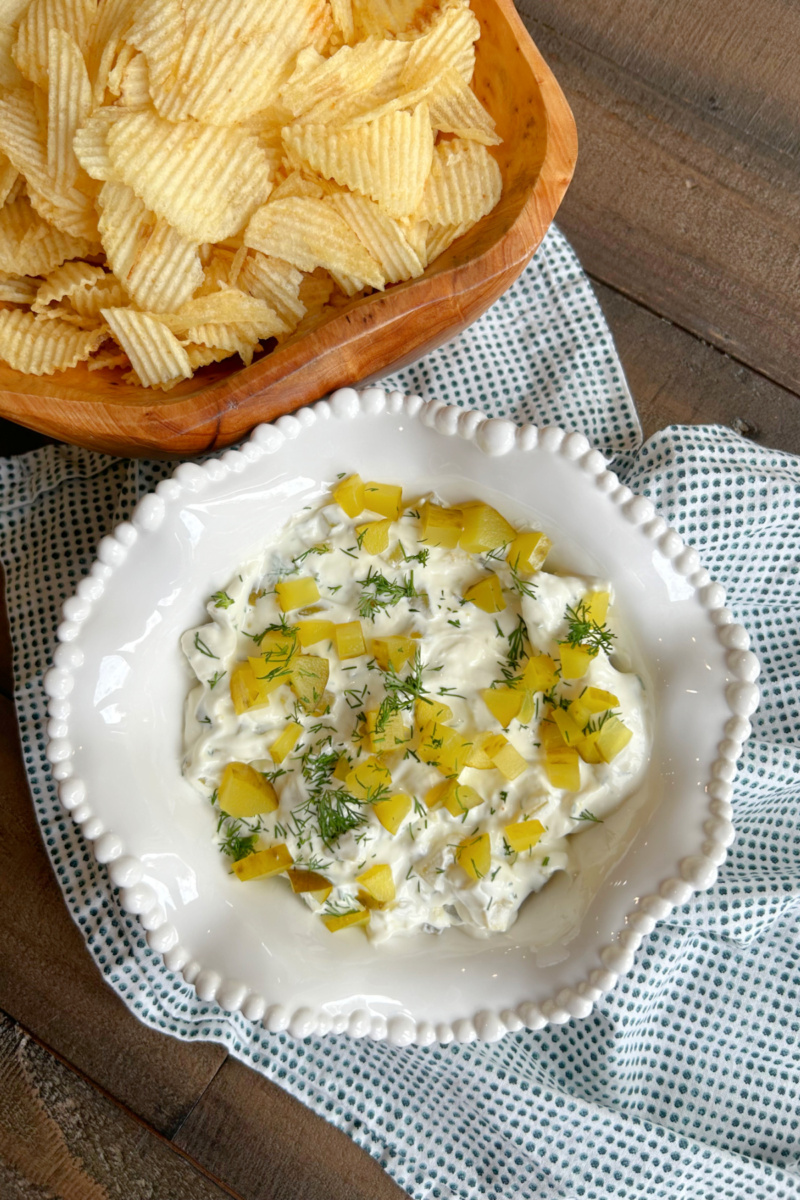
463 650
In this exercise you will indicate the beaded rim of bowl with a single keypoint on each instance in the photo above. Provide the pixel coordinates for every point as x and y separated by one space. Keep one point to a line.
495 437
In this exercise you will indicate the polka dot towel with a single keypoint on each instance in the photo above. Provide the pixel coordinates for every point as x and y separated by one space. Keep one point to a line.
683 1084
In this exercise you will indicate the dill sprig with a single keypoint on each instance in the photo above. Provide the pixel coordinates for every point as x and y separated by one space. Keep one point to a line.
278 658
401 691
584 631
281 626
337 812
516 643
221 600
585 815
200 645
322 548
233 841
523 586
379 594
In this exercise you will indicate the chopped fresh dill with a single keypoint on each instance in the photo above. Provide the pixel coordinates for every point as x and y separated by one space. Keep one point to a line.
321 549
221 600
282 626
200 645
340 908
545 860
449 691
516 643
421 556
523 586
379 594
233 841
400 692
584 631
588 816
456 623
215 678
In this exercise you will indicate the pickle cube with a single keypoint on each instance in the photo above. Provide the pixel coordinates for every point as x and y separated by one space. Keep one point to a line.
504 703
563 768
575 660
311 632
486 594
296 593
378 882
507 759
474 855
368 778
549 735
427 711
528 551
392 733
285 742
303 880
528 710
247 690
523 835
596 604
484 529
262 863
349 639
359 916
392 653
587 747
614 736
441 526
308 679
392 812
342 768
443 748
244 792
374 536
384 498
460 798
349 495
540 674
567 726
478 757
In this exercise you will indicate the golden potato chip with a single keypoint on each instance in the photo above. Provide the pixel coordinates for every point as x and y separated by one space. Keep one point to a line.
106 358
310 233
134 88
74 17
157 266
18 289
416 234
29 246
108 292
37 346
221 61
383 17
342 13
455 108
381 235
237 338
442 236
90 144
65 281
202 356
69 102
277 282
8 177
387 160
297 184
156 355
353 81
205 181
123 60
228 306
464 184
12 10
9 74
448 42
114 19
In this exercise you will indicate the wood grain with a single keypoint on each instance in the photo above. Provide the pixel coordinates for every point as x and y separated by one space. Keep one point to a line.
684 201
60 1139
264 1143
371 336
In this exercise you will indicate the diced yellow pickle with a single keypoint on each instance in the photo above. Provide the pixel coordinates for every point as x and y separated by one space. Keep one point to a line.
378 882
322 895
569 729
271 861
596 606
460 798
540 674
484 529
528 551
272 669
285 742
384 498
486 594
311 632
247 690
508 760
441 526
523 835
575 660
308 679
563 768
367 778
614 736
244 792
549 735
443 748
474 854
342 768
393 652
392 812
427 711
373 537
528 710
303 880
359 916
349 639
391 734
587 747
435 795
504 703
478 757
296 593
349 495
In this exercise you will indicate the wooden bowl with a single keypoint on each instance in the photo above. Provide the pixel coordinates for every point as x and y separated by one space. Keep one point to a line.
372 336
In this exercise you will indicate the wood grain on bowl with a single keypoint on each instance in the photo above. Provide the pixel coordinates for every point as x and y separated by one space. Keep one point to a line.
372 336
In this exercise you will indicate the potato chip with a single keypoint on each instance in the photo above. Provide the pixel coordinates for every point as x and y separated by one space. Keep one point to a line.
9 74
69 102
29 246
310 233
277 282
12 10
107 358
157 266
108 292
156 355
228 306
384 17
387 160
37 346
202 356
126 55
416 234
448 42
90 143
353 81
74 17
8 177
114 19
442 236
238 338
455 108
342 13
381 235
64 282
18 289
464 184
134 89
297 184
205 181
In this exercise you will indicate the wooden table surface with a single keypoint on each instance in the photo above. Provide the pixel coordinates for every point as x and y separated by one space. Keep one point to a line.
685 211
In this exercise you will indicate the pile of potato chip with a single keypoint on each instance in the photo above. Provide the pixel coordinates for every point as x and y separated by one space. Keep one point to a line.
183 180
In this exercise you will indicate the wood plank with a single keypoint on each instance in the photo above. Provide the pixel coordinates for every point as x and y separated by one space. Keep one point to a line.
677 379
691 211
50 984
265 1143
61 1137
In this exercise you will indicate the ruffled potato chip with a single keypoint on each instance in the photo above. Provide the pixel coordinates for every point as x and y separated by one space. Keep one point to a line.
107 41
39 346
155 353
381 236
74 17
29 245
277 282
9 72
18 289
69 102
8 177
454 108
65 282
310 233
464 184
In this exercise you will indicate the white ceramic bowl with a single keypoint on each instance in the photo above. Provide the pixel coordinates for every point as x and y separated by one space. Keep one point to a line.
119 684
